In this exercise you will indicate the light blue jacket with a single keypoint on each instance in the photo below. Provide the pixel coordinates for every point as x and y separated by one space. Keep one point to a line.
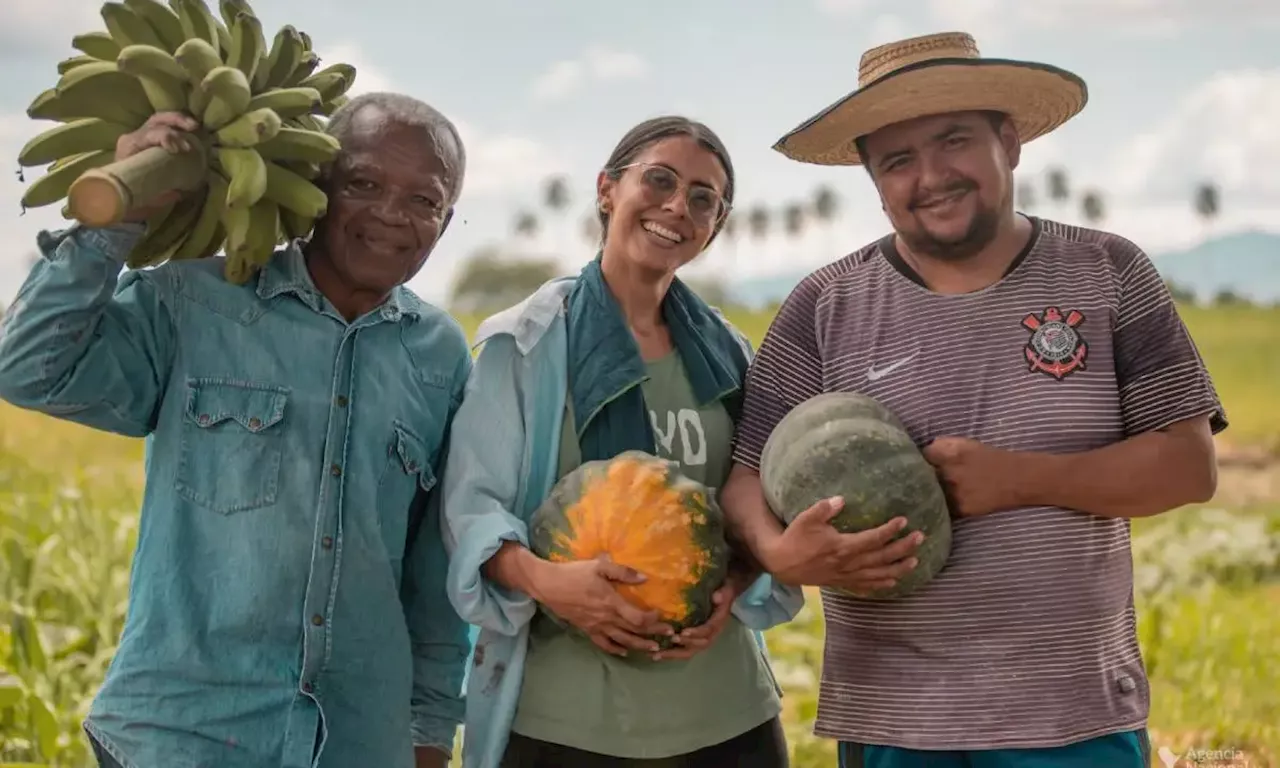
503 457
281 591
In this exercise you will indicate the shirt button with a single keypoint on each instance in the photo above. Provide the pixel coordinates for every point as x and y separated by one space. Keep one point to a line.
335 470
341 400
327 542
204 418
317 619
255 422
308 687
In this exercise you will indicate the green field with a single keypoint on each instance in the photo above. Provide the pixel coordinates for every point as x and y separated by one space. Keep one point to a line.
1208 578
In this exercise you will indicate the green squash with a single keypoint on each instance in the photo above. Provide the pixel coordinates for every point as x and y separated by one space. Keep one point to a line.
847 444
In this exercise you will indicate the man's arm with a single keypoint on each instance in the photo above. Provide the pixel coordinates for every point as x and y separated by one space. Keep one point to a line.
439 638
1170 410
75 347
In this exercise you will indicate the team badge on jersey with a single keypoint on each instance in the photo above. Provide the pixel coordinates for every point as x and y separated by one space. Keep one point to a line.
1055 348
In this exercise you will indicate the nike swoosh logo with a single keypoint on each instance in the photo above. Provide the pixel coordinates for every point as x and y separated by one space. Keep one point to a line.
875 375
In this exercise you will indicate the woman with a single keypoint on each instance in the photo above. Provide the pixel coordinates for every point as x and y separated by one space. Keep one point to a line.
582 370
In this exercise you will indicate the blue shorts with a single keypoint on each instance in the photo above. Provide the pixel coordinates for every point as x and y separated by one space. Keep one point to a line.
1131 749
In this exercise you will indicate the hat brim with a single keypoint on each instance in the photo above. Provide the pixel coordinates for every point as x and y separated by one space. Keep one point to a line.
1038 98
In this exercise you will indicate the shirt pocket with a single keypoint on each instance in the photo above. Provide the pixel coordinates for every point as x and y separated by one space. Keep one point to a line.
231 444
407 469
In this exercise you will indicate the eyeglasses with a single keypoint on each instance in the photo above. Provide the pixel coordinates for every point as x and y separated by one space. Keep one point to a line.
705 205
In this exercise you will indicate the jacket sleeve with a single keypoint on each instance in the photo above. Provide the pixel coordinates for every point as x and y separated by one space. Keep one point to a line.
481 482
75 346
767 603
439 638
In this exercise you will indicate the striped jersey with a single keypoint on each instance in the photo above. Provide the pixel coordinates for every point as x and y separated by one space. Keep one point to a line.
1026 638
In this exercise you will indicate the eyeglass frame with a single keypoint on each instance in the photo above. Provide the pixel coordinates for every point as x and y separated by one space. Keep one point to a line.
725 205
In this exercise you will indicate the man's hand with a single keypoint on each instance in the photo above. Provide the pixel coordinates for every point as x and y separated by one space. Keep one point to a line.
811 551
429 757
977 478
169 130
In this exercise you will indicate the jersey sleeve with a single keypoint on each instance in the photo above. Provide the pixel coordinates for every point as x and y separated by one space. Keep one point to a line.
786 371
1161 375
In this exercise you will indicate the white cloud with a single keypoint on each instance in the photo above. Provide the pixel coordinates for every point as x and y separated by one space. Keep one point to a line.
597 63
996 20
1224 130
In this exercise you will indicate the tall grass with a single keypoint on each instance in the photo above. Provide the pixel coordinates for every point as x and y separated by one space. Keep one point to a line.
1208 580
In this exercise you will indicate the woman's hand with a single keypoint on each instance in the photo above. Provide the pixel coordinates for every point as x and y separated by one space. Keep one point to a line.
694 640
584 594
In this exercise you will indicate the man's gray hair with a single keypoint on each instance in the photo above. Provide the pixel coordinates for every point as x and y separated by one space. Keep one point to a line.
409 112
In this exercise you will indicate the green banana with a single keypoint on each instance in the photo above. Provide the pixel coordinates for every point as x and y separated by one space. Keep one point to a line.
250 129
205 228
308 171
232 8
110 95
294 224
126 27
246 45
150 61
76 74
197 58
99 45
286 102
264 232
197 23
246 175
159 75
298 144
294 192
332 81
333 105
53 185
66 65
228 94
306 66
163 21
306 40
285 55
166 231
73 138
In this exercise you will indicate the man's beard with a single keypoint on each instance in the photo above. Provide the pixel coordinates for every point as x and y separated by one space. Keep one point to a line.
982 229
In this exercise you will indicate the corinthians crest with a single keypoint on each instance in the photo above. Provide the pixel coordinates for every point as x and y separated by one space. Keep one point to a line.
1055 347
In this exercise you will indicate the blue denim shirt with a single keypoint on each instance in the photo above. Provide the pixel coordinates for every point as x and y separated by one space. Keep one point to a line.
504 445
288 591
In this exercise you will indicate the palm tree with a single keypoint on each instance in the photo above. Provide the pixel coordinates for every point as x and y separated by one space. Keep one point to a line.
793 222
759 222
1092 207
1025 196
555 196
1207 202
826 203
1059 188
526 228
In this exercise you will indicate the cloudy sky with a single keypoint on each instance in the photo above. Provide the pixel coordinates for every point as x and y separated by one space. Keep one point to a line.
548 87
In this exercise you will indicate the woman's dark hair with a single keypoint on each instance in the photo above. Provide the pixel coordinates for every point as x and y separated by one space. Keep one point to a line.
650 132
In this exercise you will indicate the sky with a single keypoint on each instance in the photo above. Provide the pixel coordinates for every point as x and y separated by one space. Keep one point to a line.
1181 91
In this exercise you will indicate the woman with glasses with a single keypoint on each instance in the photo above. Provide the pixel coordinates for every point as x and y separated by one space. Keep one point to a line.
621 356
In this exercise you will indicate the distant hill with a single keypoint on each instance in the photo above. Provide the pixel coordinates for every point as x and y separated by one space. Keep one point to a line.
1245 263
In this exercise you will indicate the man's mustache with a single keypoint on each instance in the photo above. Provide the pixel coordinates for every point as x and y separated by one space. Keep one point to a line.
962 185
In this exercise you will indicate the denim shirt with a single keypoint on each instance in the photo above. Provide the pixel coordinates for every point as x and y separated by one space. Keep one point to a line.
282 603
504 447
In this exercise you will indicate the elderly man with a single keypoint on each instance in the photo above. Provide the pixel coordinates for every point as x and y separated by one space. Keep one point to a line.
287 606
1047 376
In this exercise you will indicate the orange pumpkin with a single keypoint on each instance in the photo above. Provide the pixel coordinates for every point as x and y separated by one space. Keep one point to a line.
643 513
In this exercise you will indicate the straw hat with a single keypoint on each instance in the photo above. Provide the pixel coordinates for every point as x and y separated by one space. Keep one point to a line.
932 75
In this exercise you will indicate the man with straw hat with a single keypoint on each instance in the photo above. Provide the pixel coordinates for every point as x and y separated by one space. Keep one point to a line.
1047 376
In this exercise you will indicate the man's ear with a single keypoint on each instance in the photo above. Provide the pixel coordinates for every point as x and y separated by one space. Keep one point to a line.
448 217
1008 135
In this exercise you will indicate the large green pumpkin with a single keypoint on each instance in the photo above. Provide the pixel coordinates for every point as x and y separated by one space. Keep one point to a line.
643 513
849 445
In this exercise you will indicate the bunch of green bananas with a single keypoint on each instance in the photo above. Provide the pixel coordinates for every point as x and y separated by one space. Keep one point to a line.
259 104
